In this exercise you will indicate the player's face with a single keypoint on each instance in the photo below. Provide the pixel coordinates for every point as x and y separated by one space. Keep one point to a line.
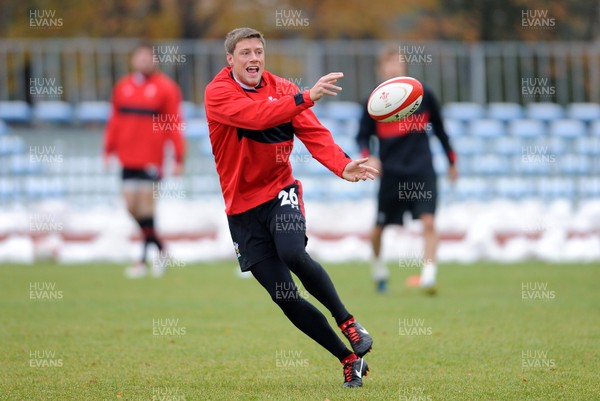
391 67
142 61
248 61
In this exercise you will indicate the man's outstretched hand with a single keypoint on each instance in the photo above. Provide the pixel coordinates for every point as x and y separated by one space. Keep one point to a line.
357 170
326 86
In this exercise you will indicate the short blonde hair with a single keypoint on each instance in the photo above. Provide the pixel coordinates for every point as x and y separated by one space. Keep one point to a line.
387 52
238 34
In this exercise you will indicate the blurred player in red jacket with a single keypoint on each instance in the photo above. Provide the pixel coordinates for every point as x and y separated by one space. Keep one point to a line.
253 118
145 116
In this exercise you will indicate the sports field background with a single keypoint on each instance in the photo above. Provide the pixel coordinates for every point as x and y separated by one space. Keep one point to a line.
494 332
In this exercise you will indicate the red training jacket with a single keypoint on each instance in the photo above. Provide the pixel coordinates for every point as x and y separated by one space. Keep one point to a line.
252 134
145 114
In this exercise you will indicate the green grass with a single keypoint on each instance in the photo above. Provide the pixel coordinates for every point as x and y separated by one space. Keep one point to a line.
230 333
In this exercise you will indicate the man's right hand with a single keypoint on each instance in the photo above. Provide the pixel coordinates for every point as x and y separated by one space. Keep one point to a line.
358 170
325 86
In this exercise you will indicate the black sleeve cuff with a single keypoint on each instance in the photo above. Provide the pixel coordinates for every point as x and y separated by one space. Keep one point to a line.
298 98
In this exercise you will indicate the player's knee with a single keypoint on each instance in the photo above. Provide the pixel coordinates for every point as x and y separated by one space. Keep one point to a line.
428 224
297 259
286 296
132 210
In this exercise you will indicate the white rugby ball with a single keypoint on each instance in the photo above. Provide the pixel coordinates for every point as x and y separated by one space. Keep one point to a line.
395 99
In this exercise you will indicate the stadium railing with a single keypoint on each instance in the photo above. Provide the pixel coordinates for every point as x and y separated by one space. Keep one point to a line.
85 69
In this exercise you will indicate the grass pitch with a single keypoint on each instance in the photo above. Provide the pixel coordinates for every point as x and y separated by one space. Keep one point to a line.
494 332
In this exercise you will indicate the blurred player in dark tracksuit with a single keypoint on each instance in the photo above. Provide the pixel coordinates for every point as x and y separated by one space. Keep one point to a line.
253 116
145 116
408 180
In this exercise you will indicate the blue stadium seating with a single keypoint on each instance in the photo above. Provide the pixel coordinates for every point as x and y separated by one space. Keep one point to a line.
15 111
209 190
595 128
196 128
3 128
299 147
544 111
342 189
486 128
314 168
468 145
574 165
83 166
348 145
11 145
300 158
555 154
320 110
587 146
108 184
190 110
201 110
490 165
507 146
9 190
435 146
473 189
568 129
505 111
21 165
314 188
586 112
526 128
463 111
334 126
53 111
93 112
351 127
514 187
445 189
205 147
552 188
440 164
44 187
464 166
343 110
199 159
555 145
589 188
534 164
454 128
55 188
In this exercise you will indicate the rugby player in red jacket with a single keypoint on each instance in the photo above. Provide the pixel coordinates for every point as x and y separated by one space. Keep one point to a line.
145 115
253 117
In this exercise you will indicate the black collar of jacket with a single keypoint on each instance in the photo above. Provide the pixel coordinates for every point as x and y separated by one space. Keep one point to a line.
260 84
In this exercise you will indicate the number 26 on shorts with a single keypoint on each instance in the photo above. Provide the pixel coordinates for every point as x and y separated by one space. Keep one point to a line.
289 198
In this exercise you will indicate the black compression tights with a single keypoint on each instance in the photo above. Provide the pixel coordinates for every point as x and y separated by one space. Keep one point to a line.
274 275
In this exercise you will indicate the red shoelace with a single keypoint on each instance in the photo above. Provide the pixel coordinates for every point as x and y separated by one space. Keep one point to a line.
352 334
348 372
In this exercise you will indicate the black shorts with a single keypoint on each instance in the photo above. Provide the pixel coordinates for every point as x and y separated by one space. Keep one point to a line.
144 174
253 231
415 193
